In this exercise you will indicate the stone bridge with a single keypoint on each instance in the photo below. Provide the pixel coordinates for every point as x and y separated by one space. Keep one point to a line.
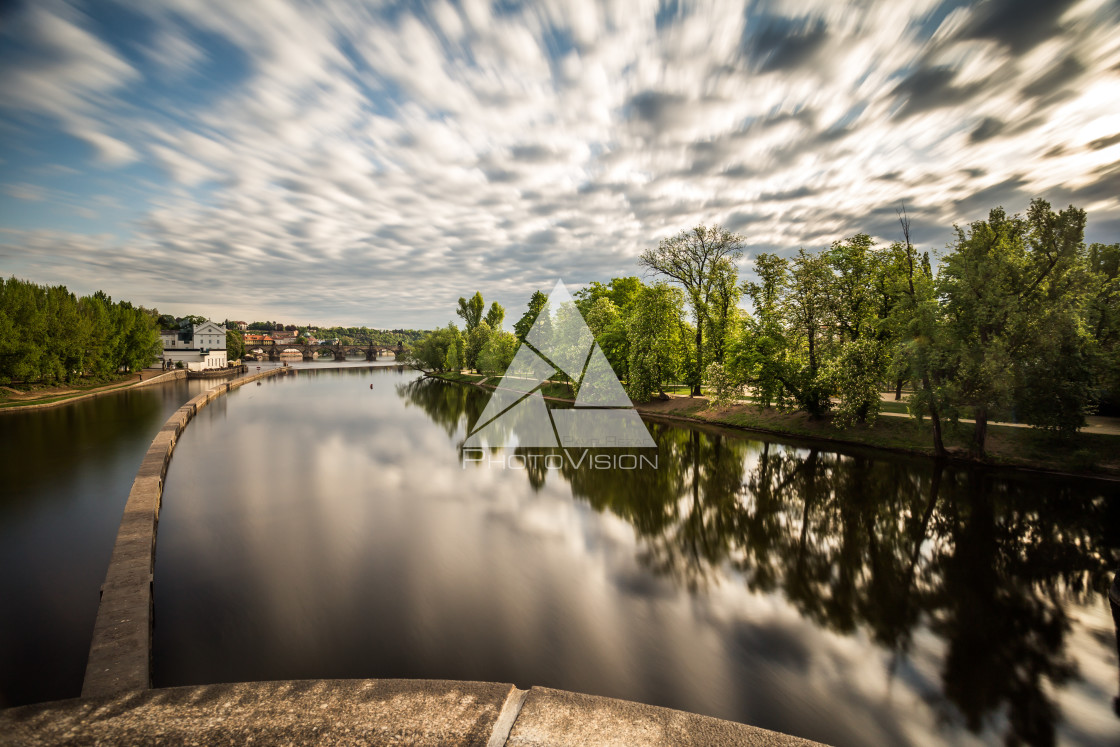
340 352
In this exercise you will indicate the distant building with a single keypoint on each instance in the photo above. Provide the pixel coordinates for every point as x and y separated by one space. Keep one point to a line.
241 325
199 347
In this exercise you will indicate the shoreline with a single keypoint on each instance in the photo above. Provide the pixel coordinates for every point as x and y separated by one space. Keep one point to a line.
693 413
63 399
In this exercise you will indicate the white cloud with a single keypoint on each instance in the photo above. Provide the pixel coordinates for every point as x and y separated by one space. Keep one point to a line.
376 167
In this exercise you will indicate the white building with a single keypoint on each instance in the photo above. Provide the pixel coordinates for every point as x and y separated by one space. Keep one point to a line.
201 347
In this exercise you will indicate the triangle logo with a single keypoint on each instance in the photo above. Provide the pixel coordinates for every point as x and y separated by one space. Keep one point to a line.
559 341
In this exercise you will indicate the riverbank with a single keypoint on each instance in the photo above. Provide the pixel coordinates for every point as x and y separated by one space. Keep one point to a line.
54 396
1008 445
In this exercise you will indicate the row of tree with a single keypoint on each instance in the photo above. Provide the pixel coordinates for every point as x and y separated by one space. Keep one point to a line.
1019 320
49 334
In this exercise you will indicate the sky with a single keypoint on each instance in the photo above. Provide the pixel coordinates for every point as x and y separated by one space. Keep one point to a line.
345 162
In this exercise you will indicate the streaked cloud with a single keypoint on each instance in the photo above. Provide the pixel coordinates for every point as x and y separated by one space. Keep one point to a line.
370 163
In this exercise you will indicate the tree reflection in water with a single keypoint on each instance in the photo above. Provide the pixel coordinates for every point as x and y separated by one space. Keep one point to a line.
986 561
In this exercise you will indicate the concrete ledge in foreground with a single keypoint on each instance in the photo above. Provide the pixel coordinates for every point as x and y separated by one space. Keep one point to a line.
367 712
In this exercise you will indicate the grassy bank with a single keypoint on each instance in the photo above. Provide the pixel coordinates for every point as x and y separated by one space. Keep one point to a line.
39 393
1087 454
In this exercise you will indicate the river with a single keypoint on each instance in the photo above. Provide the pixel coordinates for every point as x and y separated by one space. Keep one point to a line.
331 525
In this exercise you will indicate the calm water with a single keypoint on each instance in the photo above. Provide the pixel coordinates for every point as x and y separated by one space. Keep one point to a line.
315 527
65 473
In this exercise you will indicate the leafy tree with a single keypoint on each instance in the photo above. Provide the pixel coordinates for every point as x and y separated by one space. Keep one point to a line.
723 389
762 358
497 353
860 309
432 351
525 323
495 316
810 317
723 310
919 335
471 311
655 341
1003 282
235 345
476 340
1102 320
696 259
451 362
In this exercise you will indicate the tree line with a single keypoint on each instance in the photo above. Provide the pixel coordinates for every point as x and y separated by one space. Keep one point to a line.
49 334
1019 320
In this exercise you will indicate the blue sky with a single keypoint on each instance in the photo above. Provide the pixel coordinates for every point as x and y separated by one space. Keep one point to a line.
369 163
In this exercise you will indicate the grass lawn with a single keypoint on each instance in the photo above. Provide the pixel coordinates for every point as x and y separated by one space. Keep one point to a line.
40 393
1021 447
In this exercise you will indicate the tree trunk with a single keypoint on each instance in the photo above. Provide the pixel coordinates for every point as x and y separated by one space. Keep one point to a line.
981 432
699 357
898 389
938 444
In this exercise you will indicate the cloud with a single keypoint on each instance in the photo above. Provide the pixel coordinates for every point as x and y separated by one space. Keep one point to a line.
365 165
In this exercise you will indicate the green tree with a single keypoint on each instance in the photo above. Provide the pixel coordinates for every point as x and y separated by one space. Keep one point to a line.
762 358
497 353
476 340
1004 281
655 342
919 332
451 362
859 364
808 308
525 323
471 311
235 345
495 316
431 352
696 259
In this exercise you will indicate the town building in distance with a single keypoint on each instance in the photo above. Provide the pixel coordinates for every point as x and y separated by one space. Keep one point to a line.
199 346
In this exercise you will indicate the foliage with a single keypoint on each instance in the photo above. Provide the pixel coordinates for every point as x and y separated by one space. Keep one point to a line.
471 310
495 316
235 345
49 334
722 387
497 352
476 340
699 260
653 328
525 323
433 352
1011 290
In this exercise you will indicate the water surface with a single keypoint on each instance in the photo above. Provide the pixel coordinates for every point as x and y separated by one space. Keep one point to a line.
317 527
65 473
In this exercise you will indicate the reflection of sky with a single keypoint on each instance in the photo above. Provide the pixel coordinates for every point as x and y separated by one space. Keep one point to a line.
312 527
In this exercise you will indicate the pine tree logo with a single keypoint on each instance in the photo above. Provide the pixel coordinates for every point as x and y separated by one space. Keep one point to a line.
517 415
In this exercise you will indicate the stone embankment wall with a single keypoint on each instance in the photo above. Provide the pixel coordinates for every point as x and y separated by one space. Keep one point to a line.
120 655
